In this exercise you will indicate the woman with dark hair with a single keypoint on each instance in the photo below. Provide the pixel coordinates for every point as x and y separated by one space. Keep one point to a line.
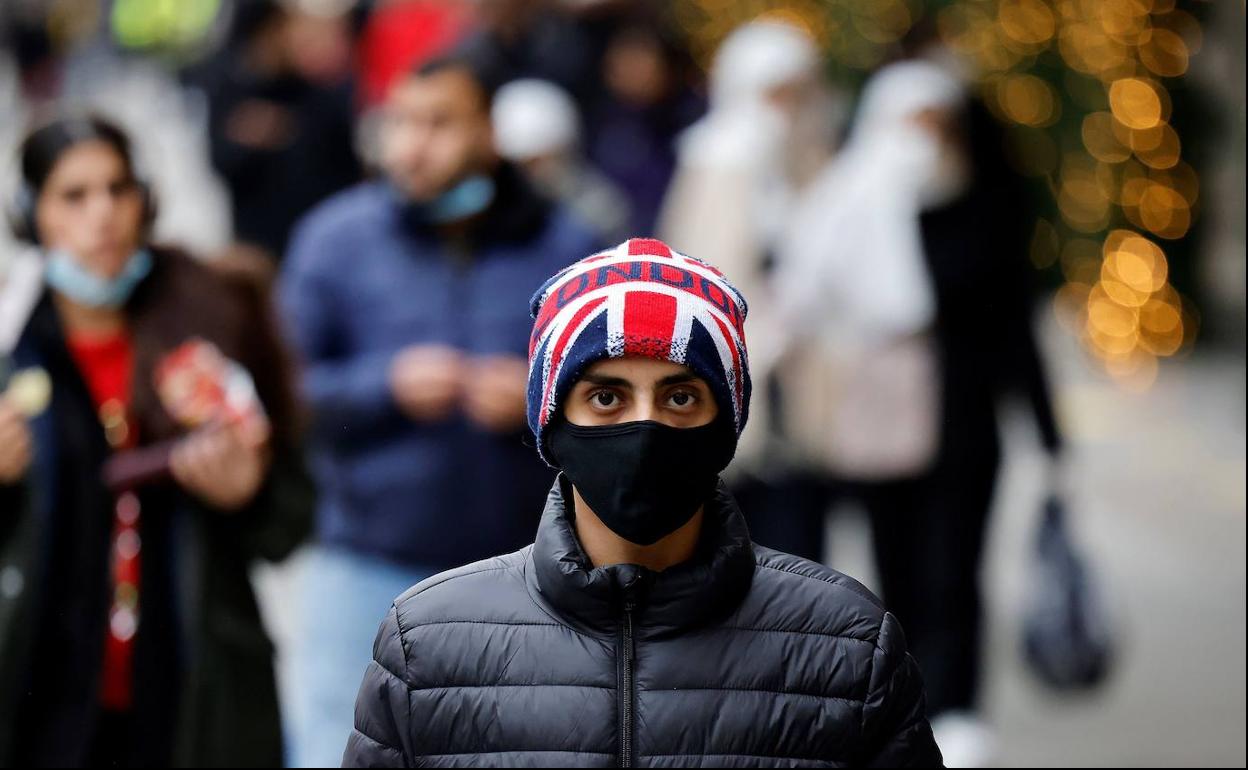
161 461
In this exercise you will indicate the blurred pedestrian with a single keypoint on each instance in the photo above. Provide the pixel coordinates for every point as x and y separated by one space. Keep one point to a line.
129 633
643 626
401 34
537 127
531 39
770 128
634 118
906 261
406 298
281 116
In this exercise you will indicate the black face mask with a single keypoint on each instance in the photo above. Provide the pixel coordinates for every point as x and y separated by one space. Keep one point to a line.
644 480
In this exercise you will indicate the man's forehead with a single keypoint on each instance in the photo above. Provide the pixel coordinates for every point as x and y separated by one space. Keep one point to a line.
638 370
446 85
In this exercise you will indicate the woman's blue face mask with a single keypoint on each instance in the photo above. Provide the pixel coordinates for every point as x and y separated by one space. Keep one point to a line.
66 275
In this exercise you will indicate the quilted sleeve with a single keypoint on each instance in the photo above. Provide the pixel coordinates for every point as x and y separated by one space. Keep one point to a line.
895 727
380 737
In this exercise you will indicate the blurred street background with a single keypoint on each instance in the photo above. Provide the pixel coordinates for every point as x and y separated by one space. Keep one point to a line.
1159 498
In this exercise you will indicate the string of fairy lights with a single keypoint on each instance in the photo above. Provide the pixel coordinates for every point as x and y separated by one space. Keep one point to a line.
1081 84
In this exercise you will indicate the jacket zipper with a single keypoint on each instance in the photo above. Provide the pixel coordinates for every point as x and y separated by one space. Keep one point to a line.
629 656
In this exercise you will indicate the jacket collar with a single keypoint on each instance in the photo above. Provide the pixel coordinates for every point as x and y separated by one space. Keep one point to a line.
591 599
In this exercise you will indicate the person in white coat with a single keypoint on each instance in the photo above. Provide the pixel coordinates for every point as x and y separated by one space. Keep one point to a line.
771 126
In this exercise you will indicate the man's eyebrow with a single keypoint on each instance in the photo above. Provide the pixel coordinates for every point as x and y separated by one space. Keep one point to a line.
678 378
606 382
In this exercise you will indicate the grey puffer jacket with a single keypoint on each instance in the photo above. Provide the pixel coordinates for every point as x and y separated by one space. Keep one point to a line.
740 657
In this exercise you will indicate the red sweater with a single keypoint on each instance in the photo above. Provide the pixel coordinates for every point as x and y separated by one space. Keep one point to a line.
106 364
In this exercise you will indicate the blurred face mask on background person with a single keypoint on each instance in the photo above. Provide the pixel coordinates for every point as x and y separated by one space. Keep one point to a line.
89 217
66 275
918 155
436 144
908 128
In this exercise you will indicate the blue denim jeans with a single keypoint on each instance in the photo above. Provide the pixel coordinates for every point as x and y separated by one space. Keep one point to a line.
343 599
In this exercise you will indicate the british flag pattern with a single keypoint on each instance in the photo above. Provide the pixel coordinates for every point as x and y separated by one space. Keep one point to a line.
640 298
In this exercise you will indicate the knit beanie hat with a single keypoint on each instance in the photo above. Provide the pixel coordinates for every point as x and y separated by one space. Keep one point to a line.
640 298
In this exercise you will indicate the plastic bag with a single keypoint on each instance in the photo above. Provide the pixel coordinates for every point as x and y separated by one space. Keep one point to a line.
1067 639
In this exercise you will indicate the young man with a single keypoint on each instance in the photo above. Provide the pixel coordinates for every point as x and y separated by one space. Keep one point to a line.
642 627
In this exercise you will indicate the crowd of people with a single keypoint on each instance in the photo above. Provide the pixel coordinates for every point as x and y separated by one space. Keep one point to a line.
373 362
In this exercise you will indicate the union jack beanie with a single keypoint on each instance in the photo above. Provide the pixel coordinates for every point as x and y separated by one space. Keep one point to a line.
640 298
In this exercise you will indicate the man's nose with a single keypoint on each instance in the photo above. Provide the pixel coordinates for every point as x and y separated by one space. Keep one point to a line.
644 408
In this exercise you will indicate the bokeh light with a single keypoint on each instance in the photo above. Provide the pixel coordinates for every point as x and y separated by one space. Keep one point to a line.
1081 88
1100 140
1135 103
1163 52
1028 100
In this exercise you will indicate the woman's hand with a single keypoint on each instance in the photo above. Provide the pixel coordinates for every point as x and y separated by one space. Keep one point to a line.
221 466
16 444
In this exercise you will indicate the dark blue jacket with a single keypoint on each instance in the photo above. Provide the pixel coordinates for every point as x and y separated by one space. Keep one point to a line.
364 279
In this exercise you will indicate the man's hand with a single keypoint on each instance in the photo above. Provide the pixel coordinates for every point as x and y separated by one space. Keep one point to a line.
425 381
494 392
16 444
220 465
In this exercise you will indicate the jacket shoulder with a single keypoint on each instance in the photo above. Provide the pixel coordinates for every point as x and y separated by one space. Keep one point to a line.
488 591
446 609
789 593
345 214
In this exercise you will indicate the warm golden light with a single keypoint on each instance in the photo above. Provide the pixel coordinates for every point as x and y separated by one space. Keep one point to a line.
1160 317
1163 52
1088 48
1124 20
1099 139
1115 328
1124 170
1123 294
1163 150
1081 260
1135 103
1027 21
1182 179
1027 99
882 22
1161 326
1045 244
1134 261
1164 212
1084 204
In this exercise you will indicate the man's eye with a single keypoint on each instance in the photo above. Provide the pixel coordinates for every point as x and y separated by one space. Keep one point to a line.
604 398
682 398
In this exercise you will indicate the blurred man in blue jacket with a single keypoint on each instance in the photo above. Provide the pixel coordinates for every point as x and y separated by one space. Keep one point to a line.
407 300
